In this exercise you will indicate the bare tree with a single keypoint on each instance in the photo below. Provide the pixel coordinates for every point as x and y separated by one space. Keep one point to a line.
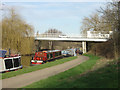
112 16
107 20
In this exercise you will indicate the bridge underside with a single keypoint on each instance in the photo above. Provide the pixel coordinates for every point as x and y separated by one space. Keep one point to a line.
83 40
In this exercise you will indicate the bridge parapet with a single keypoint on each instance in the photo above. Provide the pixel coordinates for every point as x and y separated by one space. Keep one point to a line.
90 34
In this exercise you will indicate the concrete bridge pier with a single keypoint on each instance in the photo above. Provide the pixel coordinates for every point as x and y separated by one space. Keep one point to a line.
84 47
38 45
51 45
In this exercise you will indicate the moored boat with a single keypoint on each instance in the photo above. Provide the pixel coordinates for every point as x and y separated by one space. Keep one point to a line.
9 62
44 56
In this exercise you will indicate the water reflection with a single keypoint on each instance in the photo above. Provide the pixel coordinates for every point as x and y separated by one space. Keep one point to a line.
25 61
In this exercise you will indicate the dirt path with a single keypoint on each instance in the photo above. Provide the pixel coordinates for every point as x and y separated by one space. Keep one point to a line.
29 78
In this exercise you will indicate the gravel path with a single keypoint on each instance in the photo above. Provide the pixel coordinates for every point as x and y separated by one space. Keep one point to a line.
29 78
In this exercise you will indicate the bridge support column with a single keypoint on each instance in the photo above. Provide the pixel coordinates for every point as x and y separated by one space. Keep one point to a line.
84 47
38 46
50 45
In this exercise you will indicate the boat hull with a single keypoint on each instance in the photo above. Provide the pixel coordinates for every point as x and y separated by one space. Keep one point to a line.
10 64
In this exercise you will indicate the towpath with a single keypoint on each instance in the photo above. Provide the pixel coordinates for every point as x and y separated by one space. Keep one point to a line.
29 78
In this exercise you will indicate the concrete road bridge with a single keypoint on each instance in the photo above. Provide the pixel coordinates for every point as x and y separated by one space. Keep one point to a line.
90 36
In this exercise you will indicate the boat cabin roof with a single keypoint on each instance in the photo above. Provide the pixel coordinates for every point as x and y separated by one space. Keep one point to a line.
51 51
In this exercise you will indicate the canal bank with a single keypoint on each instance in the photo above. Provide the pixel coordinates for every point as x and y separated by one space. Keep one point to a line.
37 67
29 78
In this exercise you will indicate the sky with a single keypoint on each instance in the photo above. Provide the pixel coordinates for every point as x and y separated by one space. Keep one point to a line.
64 16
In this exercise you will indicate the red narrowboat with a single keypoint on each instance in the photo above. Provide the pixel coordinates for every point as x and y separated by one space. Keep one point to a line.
43 56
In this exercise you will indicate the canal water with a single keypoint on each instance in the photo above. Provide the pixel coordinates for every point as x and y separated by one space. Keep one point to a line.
25 61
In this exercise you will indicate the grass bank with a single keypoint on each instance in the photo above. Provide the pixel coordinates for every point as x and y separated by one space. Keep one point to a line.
37 67
69 78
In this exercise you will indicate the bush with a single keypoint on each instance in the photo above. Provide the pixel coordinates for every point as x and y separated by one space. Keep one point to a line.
104 49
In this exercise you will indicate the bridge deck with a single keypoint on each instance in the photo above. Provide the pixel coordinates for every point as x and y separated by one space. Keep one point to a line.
72 39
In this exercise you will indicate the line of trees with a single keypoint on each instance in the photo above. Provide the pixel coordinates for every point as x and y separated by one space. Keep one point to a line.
107 19
16 34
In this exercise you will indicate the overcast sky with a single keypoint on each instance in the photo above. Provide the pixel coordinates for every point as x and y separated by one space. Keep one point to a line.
64 16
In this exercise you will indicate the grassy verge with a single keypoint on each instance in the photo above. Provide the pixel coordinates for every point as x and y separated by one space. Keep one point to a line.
67 79
37 67
106 77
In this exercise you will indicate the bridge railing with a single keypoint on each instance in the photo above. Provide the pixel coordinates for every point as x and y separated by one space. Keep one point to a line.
74 36
99 36
47 36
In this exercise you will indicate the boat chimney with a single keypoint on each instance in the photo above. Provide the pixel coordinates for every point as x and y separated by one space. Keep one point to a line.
9 52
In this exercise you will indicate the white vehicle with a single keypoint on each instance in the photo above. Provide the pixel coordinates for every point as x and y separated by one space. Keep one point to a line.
63 36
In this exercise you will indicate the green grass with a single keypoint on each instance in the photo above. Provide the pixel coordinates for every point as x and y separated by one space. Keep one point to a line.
69 78
37 67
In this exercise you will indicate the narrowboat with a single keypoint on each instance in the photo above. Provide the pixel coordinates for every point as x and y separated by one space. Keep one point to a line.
69 52
43 56
9 62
